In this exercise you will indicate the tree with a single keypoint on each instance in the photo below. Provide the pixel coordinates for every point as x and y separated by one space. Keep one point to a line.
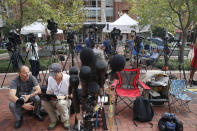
21 12
68 12
181 14
25 12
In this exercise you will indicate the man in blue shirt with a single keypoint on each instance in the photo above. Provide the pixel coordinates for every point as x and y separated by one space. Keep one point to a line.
87 41
136 45
107 45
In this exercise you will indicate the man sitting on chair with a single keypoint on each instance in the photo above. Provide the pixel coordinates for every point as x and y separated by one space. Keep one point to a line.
153 57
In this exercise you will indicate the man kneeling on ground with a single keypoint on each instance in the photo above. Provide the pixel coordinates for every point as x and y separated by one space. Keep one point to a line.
58 84
24 90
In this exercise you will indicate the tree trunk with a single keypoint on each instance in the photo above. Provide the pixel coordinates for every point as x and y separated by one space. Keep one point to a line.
184 40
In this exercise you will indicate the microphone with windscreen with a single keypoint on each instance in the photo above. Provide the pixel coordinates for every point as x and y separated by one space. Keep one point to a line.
117 63
87 57
93 88
74 81
101 69
101 66
85 73
73 71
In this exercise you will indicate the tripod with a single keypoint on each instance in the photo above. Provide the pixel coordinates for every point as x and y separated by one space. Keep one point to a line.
53 54
16 60
71 52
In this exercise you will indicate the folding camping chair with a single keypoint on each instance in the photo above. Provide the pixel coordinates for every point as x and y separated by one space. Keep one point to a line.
127 89
178 91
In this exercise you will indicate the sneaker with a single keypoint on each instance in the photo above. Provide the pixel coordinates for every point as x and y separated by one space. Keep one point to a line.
52 125
66 124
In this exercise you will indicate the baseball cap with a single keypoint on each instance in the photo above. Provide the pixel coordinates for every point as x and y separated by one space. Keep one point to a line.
54 69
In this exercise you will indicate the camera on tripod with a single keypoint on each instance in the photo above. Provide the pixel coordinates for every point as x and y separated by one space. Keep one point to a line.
92 34
14 40
70 35
52 26
115 33
138 40
31 38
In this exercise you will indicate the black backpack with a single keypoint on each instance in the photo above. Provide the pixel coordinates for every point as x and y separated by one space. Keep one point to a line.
169 122
142 110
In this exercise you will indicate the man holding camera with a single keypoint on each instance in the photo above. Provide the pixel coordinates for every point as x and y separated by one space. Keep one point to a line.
136 46
32 50
58 84
23 94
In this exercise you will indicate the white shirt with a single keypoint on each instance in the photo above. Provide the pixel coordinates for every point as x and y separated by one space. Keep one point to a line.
31 54
61 89
99 53
154 55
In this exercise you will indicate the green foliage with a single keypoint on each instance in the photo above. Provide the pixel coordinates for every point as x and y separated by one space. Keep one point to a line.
173 64
25 12
44 63
159 32
181 14
3 51
68 12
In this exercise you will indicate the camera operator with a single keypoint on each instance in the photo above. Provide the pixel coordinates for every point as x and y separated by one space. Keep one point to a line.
24 90
87 41
115 33
136 45
58 84
107 45
32 51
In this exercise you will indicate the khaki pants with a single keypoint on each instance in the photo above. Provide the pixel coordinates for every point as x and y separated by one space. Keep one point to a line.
62 106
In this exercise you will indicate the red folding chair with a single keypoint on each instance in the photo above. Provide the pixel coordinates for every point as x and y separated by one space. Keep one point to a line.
127 89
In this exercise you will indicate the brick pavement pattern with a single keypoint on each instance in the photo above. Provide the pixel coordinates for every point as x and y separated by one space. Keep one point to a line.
123 121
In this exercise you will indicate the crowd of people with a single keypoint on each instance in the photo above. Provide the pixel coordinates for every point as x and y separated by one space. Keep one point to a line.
25 91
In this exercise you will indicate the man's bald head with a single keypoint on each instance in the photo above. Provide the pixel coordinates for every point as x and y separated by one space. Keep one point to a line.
24 73
23 67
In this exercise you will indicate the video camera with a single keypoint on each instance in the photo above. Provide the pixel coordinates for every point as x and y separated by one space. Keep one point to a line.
31 38
52 26
14 40
115 33
70 35
92 34
138 40
21 100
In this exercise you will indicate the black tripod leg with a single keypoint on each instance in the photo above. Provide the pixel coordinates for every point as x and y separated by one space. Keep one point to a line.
44 79
6 74
77 60
66 62
104 119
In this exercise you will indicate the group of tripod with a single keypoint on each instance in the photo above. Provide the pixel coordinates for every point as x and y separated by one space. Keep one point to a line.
32 54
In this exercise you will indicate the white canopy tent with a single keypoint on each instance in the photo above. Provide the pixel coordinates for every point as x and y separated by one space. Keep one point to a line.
125 23
36 28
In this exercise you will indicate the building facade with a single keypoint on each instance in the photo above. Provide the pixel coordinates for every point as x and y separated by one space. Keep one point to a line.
100 13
